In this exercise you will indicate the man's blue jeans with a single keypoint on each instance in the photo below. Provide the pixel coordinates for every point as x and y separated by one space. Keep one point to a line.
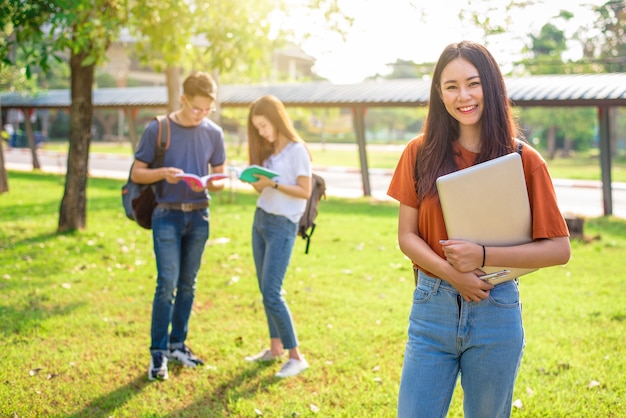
179 241
481 341
273 238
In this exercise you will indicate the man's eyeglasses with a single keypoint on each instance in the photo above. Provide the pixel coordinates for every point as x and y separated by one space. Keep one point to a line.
199 110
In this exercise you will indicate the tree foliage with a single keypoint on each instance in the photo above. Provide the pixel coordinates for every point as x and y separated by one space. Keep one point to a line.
20 27
555 128
546 51
230 34
408 69
491 18
232 39
605 43
83 30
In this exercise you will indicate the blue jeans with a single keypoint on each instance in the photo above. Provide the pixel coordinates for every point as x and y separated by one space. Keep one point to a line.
179 240
273 238
481 341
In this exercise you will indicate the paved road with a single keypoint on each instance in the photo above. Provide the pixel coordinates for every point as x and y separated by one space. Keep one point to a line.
582 198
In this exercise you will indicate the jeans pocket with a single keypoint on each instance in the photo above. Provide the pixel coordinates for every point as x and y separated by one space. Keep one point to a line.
422 294
505 295
160 213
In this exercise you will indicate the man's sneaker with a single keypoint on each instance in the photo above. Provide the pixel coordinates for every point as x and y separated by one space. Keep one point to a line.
185 356
158 367
293 367
264 356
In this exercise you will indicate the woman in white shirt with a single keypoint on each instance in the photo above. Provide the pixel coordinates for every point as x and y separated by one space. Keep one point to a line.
275 144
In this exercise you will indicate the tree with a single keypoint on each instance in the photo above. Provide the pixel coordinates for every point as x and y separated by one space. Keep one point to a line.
17 82
546 51
26 16
570 126
604 44
43 29
233 40
83 29
492 20
211 37
409 69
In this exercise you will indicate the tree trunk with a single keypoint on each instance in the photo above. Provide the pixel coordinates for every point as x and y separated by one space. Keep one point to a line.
107 120
73 214
551 142
567 148
172 77
31 139
4 179
217 115
131 118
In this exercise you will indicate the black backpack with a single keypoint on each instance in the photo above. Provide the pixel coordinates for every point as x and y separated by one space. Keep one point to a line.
139 200
307 221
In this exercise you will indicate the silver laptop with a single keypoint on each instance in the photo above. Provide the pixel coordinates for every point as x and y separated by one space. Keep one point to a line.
488 204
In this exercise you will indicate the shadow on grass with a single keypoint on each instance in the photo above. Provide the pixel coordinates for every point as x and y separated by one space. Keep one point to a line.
244 385
213 404
106 405
32 298
34 312
40 256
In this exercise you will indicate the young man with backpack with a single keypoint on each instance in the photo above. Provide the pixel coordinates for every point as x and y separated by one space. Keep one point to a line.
180 221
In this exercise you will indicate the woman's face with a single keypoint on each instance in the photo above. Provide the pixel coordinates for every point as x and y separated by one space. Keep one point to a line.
265 128
462 92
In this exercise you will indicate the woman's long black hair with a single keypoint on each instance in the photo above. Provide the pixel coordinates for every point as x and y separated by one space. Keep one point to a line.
435 155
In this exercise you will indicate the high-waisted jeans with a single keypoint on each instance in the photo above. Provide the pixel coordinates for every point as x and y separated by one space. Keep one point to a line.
481 341
273 238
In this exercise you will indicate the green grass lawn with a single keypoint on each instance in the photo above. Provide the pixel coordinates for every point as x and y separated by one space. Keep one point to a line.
75 312
581 166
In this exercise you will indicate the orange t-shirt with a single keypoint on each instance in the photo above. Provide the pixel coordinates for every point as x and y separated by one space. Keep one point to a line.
547 220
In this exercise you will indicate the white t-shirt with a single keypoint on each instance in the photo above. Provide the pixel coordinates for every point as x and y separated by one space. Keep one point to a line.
292 162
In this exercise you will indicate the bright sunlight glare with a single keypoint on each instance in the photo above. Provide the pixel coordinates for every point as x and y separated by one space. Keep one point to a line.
386 30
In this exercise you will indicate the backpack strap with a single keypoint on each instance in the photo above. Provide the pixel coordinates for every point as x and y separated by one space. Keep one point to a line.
520 144
165 136
308 238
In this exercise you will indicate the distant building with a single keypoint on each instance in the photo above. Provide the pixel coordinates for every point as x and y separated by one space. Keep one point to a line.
292 64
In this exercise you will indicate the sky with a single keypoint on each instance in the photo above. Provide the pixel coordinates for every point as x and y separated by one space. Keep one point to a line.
386 30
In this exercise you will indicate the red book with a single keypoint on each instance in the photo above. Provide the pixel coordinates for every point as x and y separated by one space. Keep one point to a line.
193 180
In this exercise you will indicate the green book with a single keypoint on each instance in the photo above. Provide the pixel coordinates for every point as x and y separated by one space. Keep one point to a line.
248 173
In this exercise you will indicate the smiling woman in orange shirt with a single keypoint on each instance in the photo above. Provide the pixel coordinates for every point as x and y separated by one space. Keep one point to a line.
460 324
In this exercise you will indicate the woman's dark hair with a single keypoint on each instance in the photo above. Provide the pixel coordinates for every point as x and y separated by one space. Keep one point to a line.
274 110
435 155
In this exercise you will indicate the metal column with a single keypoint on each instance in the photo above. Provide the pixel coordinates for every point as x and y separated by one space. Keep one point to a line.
605 159
358 117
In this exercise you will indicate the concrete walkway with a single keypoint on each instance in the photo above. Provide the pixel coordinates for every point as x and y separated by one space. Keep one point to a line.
579 197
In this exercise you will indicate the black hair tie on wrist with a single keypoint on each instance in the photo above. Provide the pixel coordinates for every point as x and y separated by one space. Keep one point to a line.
484 254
